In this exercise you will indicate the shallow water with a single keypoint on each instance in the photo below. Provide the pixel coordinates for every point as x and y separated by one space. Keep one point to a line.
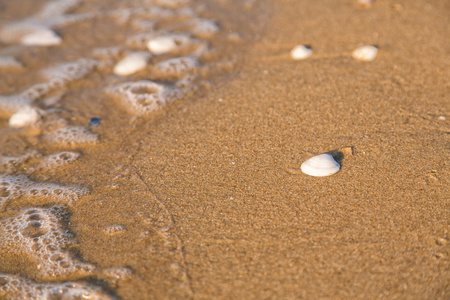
70 85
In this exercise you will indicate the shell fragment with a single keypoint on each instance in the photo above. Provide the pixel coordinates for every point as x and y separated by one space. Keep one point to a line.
300 52
365 53
320 166
132 63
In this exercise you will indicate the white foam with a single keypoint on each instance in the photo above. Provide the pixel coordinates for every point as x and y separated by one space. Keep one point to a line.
177 67
59 159
10 164
143 97
40 234
13 287
203 28
9 62
62 74
56 8
71 136
16 186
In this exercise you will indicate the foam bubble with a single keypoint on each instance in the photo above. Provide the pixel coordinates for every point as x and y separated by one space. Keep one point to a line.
59 159
71 135
144 96
9 62
16 186
11 163
40 233
65 73
203 28
56 8
14 287
10 104
177 67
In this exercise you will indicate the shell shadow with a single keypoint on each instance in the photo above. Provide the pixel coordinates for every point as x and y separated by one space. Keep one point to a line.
341 153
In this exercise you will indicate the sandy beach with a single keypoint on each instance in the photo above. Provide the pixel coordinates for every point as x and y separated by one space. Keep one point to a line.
204 198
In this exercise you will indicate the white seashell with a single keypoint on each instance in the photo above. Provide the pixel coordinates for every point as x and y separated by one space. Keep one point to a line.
132 63
163 44
320 165
24 117
366 2
365 53
168 43
43 37
301 52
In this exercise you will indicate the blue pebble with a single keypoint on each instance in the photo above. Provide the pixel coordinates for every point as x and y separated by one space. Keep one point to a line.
94 122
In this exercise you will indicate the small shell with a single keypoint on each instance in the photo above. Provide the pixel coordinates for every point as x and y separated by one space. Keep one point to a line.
301 52
44 37
320 165
24 117
132 63
167 43
365 53
366 2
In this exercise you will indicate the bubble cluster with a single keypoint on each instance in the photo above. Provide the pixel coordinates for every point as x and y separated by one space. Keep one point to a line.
40 234
56 8
10 163
16 186
203 28
169 34
143 97
71 135
13 287
177 67
62 74
59 159
9 62
10 104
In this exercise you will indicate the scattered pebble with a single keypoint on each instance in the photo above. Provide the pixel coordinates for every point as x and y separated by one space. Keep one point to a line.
442 118
301 52
25 117
320 165
132 63
94 121
365 53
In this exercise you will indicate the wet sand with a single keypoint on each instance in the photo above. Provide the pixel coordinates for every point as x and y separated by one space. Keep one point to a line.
209 189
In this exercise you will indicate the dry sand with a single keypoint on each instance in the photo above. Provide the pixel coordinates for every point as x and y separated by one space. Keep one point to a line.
209 189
